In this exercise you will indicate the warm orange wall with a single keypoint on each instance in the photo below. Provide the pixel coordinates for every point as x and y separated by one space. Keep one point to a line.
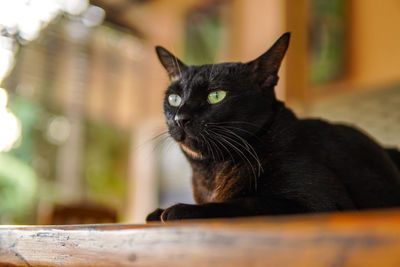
255 26
375 42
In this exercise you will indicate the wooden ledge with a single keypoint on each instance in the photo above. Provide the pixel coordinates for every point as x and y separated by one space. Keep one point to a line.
347 239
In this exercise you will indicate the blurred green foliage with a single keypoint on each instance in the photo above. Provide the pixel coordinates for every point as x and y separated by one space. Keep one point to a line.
18 185
106 163
34 85
203 36
328 40
28 112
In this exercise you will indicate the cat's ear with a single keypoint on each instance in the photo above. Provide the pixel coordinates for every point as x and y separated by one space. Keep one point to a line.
171 63
265 68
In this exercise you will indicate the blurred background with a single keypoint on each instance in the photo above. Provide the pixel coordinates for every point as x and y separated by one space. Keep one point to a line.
81 91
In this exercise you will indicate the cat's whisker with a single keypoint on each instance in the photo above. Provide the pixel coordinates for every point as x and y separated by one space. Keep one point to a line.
163 135
169 144
206 143
253 152
224 147
233 122
165 132
240 153
217 149
234 136
210 146
226 127
247 150
164 141
214 141
240 129
245 158
246 146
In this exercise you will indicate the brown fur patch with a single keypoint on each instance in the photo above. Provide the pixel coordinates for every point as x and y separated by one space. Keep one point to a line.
224 185
226 181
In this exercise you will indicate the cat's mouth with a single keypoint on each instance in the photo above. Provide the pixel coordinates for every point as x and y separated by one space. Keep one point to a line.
188 143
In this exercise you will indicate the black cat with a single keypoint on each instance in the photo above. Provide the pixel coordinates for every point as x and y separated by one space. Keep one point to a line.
251 155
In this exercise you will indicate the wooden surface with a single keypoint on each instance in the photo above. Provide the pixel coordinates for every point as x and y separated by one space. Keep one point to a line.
347 239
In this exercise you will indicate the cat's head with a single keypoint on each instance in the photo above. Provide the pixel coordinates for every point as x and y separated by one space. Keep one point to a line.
211 109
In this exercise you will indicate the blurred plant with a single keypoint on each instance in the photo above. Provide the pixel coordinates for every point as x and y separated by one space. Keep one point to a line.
106 163
29 172
18 184
28 112
204 29
18 180
328 41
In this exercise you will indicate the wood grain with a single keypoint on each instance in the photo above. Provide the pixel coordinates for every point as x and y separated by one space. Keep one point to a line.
347 239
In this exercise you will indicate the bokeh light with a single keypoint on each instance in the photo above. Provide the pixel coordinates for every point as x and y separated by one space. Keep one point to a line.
58 130
93 16
10 127
3 99
23 21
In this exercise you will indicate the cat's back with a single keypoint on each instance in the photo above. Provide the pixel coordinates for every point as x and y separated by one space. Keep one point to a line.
362 165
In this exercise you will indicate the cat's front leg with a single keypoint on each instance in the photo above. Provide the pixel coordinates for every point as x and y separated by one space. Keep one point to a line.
184 211
204 211
155 216
189 211
233 208
251 206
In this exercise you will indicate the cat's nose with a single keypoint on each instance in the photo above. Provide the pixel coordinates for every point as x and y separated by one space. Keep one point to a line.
181 119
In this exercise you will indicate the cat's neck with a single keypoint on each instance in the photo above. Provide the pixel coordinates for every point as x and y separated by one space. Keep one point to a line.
208 179
281 129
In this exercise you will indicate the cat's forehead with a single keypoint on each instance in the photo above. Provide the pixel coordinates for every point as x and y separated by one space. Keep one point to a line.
209 73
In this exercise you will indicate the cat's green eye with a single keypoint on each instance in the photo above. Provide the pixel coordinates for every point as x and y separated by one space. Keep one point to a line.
216 96
174 100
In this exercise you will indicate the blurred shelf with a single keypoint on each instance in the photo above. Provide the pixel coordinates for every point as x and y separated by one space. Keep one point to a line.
347 239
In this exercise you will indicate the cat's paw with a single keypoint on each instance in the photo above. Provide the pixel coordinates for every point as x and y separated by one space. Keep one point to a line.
155 216
180 212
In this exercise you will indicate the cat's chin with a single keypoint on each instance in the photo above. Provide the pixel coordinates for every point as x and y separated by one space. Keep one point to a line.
191 153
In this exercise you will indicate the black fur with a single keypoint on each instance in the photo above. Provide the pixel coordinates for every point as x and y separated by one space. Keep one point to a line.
251 155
